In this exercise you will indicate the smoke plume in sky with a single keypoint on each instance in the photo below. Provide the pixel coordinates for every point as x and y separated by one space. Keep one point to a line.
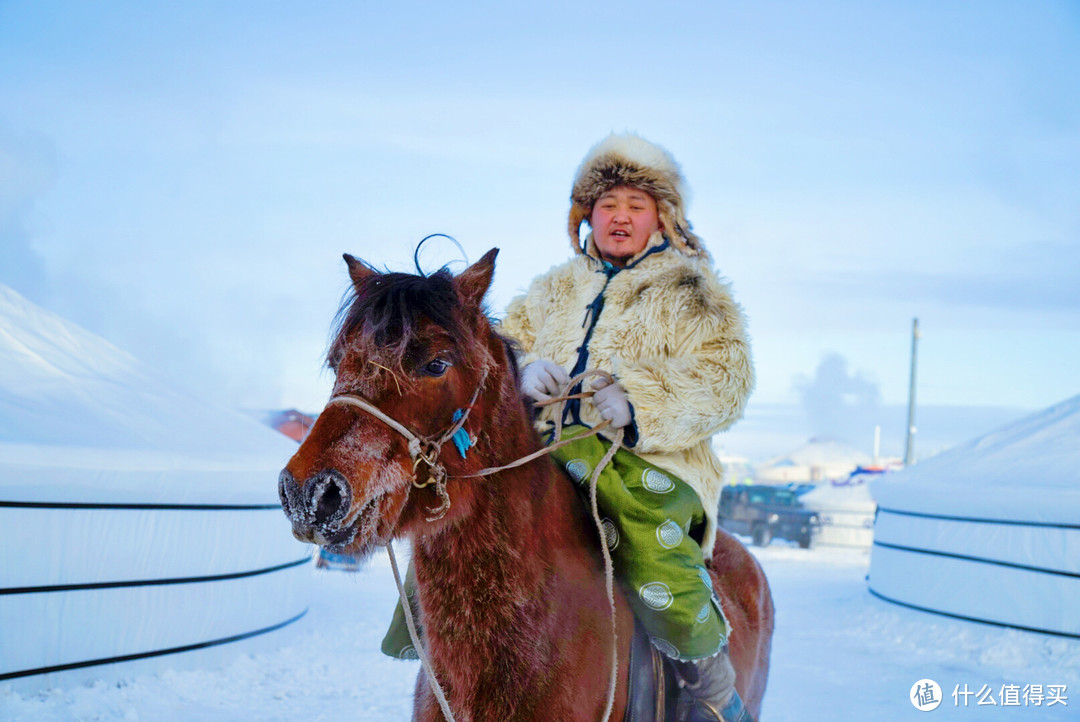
839 403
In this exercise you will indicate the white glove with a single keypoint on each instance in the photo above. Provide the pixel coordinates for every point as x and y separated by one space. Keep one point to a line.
612 402
543 379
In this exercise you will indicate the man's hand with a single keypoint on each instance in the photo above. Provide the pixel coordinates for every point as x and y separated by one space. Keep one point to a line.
543 379
612 402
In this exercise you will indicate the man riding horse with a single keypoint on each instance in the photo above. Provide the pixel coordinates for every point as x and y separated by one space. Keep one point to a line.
641 300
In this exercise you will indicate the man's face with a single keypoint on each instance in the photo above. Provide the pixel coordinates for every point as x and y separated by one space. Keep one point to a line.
622 221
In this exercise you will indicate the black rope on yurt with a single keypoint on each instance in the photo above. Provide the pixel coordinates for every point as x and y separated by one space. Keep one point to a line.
136 506
981 560
147 655
1009 522
965 618
153 582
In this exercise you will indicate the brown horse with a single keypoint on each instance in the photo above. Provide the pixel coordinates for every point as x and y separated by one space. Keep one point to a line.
510 579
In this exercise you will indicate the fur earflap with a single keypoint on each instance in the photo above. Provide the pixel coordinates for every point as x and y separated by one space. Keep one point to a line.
627 159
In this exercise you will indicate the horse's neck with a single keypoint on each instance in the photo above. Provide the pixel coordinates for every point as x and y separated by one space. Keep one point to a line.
496 584
486 563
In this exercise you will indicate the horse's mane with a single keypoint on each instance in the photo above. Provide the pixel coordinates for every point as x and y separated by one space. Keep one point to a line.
386 309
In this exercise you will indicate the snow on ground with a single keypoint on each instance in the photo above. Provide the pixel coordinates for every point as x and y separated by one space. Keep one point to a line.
841 654
838 654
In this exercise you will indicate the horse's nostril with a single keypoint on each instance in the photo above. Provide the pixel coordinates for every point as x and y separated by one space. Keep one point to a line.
285 480
329 502
330 499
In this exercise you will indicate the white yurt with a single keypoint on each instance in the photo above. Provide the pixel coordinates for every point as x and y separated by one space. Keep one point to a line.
989 531
140 529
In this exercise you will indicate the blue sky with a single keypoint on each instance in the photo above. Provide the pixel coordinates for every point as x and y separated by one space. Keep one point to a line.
183 178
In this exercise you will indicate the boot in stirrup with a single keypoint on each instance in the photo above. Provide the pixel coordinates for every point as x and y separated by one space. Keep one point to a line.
709 691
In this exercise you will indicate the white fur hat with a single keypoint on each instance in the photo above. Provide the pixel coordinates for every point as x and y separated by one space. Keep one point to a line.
626 159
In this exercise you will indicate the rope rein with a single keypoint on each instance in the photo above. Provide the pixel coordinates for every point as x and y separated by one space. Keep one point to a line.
427 449
609 569
421 652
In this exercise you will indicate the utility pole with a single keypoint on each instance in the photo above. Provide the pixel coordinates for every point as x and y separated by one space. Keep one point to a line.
909 449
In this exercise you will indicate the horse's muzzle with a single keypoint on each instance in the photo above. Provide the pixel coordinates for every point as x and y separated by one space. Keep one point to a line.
318 507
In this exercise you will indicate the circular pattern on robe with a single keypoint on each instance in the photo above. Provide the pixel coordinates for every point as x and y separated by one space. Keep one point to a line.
666 647
578 470
611 534
408 652
703 615
656 595
656 481
705 578
669 534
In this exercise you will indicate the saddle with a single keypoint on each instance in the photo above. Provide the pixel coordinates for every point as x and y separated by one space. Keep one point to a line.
654 693
653 688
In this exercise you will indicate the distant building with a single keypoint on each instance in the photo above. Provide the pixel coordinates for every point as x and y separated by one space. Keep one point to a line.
290 422
737 469
816 460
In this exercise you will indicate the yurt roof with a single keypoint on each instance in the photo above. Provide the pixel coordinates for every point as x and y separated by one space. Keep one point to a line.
1028 470
85 414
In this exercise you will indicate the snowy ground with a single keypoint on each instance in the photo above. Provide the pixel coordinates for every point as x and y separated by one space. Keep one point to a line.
838 654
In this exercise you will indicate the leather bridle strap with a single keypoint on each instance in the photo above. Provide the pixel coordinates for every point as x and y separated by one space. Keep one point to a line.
415 442
421 448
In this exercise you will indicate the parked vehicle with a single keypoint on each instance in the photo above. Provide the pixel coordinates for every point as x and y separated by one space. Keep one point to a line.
766 512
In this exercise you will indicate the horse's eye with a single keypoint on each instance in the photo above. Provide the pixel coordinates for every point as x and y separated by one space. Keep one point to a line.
436 367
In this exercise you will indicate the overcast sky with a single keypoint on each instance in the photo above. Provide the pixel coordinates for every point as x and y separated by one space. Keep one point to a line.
182 178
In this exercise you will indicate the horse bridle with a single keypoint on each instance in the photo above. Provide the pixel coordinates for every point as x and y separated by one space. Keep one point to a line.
424 449
428 448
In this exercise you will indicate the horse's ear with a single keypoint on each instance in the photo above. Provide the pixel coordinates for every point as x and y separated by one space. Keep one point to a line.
475 280
357 270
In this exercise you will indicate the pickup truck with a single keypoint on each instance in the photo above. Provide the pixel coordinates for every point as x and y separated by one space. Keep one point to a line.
766 512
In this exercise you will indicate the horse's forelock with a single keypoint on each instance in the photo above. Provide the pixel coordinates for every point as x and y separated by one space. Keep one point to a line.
385 310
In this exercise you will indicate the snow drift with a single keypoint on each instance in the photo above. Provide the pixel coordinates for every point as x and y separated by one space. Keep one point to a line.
846 510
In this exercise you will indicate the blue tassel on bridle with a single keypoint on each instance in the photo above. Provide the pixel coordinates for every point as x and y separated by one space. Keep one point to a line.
461 438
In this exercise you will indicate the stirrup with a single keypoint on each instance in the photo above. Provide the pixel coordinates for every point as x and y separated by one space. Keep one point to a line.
701 711
735 711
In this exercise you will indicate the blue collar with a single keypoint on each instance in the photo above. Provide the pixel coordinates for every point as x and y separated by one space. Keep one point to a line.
611 270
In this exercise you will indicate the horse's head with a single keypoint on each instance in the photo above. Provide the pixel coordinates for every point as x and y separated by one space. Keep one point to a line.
409 352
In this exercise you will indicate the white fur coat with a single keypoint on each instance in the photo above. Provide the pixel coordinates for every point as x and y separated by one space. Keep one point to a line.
671 334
